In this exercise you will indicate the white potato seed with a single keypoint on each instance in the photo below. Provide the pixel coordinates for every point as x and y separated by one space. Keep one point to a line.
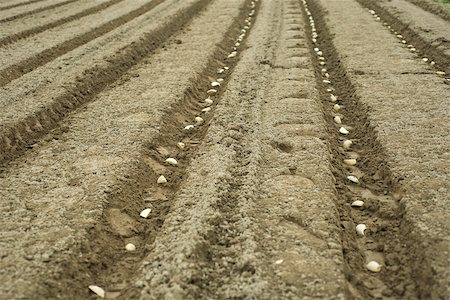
336 107
206 109
189 127
215 84
337 119
181 145
333 98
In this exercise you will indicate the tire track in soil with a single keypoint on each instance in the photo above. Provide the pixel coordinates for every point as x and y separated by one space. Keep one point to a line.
377 187
35 11
21 68
15 140
20 4
432 8
116 277
422 46
27 33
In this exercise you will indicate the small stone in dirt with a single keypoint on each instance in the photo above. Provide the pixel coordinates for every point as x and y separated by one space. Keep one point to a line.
333 98
145 213
161 179
425 59
181 145
130 247
97 290
336 107
337 119
353 179
357 203
440 72
373 266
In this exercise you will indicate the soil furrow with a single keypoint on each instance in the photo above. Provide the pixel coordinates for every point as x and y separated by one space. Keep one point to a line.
423 47
171 133
432 8
17 137
19 4
35 11
35 30
115 189
178 117
403 100
228 234
366 160
18 69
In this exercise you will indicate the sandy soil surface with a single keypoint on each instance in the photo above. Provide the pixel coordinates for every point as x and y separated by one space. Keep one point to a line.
286 150
438 7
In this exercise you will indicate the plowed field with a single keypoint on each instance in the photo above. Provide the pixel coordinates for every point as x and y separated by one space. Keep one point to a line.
224 149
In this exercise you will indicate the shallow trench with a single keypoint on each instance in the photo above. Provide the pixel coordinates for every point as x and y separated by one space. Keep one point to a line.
110 265
377 188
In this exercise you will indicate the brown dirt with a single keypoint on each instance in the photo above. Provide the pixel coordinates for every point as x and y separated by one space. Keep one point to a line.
433 7
48 22
259 204
27 12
